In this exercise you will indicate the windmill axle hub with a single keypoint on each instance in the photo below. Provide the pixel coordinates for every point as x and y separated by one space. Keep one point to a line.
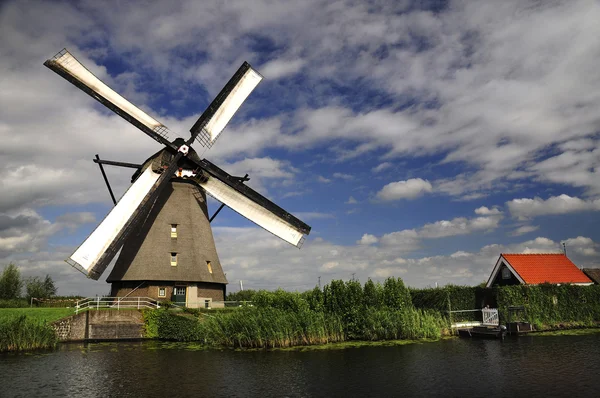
184 149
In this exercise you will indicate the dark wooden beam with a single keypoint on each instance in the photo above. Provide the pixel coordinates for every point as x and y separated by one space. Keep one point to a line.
97 160
120 164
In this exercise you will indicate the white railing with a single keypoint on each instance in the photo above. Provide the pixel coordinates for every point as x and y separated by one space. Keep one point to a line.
489 317
209 304
115 303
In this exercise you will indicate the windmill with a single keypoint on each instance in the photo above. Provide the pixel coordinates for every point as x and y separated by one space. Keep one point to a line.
161 224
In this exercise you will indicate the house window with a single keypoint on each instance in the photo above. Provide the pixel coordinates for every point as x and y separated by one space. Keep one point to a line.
173 259
173 230
209 266
505 273
162 292
180 291
206 303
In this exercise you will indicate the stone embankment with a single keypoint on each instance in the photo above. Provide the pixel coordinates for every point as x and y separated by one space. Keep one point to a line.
101 325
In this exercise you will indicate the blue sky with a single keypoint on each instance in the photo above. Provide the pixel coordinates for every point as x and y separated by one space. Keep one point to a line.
418 139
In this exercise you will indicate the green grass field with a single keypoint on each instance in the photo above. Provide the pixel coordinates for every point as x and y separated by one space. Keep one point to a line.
41 314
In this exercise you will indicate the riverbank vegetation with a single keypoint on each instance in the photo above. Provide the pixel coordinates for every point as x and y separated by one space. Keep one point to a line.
342 311
547 306
22 333
349 311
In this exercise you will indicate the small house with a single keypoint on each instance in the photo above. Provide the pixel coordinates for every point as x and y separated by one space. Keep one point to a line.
534 269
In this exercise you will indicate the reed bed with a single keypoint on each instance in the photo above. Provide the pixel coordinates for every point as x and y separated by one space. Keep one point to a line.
342 311
272 328
22 333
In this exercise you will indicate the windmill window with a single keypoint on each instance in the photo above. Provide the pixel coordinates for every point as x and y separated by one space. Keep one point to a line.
173 259
162 292
173 230
209 266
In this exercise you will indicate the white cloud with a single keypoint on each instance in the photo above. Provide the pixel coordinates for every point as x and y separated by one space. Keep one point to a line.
484 211
351 201
367 239
525 229
409 189
343 176
25 230
260 170
581 245
248 252
458 226
279 68
308 215
444 228
381 167
528 208
386 272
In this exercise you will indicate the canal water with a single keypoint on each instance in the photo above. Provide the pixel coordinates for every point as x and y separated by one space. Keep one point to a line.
527 366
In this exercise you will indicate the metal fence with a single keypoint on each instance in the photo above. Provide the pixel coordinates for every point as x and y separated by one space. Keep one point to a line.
469 318
210 304
115 303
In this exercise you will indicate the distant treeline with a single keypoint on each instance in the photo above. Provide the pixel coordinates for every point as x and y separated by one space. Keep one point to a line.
18 292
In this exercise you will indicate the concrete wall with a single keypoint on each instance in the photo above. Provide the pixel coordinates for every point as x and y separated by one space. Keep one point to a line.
101 325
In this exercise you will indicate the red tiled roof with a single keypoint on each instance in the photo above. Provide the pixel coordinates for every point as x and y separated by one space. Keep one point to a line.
546 268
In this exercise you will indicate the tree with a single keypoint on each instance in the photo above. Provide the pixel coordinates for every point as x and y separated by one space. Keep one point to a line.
49 287
38 288
395 294
10 283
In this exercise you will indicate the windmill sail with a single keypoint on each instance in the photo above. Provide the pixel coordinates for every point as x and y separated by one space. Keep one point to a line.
89 258
253 211
67 66
214 119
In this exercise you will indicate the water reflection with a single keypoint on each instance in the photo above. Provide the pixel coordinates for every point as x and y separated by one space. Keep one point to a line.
532 366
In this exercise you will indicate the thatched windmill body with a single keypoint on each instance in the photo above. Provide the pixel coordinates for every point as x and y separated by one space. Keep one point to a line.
161 224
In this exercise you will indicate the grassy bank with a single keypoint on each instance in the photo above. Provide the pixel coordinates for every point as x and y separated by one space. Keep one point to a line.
39 314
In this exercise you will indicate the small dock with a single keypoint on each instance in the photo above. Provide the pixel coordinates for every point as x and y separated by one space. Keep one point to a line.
486 332
489 327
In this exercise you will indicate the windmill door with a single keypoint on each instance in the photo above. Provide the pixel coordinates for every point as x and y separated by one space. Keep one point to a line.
179 295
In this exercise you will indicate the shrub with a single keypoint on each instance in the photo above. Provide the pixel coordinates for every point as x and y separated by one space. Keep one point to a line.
168 326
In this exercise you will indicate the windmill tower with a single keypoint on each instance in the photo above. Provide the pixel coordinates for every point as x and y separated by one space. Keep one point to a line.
161 224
